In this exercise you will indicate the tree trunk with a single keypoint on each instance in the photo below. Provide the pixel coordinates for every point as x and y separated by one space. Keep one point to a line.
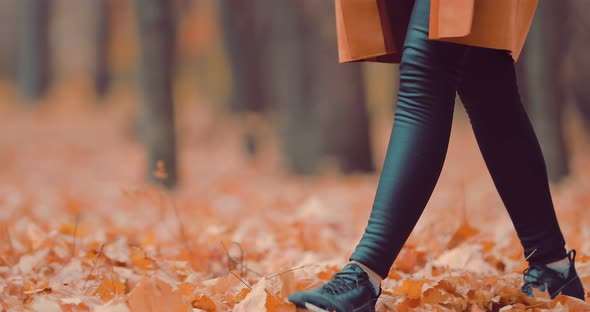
10 25
338 94
290 82
33 67
243 40
542 84
580 63
156 34
321 103
101 69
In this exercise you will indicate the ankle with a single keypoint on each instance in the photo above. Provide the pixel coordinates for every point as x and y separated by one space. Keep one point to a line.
375 278
563 262
562 266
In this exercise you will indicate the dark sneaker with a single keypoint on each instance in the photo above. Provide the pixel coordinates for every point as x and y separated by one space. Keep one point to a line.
543 278
350 290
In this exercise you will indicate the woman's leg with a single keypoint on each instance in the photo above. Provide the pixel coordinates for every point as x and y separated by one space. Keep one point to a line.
489 91
429 73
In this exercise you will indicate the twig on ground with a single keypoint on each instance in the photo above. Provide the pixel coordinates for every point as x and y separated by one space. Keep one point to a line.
75 234
231 262
287 271
241 280
161 176
10 245
181 230
93 268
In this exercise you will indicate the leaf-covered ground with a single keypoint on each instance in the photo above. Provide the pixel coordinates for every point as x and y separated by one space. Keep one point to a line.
81 232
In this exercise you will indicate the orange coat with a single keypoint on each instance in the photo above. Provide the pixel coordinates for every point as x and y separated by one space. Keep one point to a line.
374 30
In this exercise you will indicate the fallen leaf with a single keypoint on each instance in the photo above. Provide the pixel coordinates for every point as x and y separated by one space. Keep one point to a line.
411 288
204 303
150 295
255 300
118 307
110 288
44 304
464 232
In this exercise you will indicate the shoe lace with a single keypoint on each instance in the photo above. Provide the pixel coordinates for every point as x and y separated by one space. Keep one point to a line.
343 282
532 277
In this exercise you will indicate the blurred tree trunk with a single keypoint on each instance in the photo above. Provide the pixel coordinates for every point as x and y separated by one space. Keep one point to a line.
290 84
580 63
33 67
542 84
243 40
321 103
156 34
338 92
9 23
103 29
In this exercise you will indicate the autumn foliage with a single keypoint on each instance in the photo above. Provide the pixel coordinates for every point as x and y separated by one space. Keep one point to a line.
82 232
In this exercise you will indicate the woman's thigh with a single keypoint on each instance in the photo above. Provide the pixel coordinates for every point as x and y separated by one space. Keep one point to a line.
429 69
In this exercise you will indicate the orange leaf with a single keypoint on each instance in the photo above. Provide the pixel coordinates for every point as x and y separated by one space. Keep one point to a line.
241 295
435 296
571 303
464 232
327 273
487 246
288 284
409 258
187 289
408 305
204 303
150 295
160 172
109 289
140 259
255 300
276 304
410 288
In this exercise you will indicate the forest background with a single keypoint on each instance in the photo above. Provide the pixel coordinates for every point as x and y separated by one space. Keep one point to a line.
207 155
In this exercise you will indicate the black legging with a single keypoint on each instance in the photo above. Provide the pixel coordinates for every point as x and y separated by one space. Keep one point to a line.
431 72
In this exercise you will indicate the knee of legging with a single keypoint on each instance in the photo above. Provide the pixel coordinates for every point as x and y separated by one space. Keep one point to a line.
423 98
421 108
497 124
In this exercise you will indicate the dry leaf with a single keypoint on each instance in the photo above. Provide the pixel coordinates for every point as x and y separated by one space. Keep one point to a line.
110 288
572 304
119 307
410 288
277 304
435 296
204 303
464 232
150 295
44 304
118 251
255 300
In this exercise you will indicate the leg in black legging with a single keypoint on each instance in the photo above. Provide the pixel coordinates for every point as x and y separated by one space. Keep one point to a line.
429 73
511 151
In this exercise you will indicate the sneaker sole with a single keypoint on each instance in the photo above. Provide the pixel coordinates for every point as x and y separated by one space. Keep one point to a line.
362 308
314 308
